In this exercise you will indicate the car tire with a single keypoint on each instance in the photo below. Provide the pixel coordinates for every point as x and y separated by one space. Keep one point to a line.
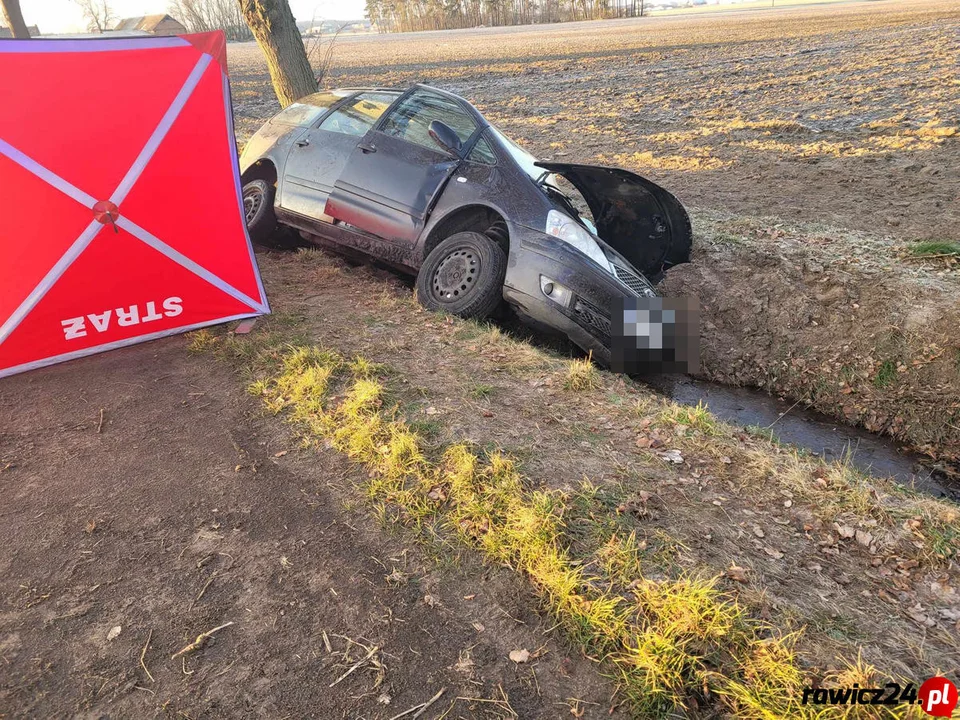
258 212
463 276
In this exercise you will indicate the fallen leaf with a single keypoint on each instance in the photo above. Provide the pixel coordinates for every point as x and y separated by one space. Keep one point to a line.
916 612
737 573
520 656
864 538
673 456
845 531
758 531
465 663
396 578
914 523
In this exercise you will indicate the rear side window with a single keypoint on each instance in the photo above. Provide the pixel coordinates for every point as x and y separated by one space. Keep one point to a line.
411 119
299 114
359 114
307 109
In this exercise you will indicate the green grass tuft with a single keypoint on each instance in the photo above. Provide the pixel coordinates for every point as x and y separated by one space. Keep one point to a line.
886 374
935 247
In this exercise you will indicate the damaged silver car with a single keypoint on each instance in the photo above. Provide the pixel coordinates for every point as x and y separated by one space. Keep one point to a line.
420 181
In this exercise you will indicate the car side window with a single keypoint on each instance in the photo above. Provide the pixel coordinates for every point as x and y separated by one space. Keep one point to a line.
411 119
300 114
358 114
482 153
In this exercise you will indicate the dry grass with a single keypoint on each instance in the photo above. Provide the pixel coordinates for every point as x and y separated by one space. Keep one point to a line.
697 418
581 374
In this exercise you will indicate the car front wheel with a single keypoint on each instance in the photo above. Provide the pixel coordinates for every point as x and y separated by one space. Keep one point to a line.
463 276
258 211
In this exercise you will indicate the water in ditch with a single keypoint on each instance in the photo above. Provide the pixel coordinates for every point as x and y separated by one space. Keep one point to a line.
815 432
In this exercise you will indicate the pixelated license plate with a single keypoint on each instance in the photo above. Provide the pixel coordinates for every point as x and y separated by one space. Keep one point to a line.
655 335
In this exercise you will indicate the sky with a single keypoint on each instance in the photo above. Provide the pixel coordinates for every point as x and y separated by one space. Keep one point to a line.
64 16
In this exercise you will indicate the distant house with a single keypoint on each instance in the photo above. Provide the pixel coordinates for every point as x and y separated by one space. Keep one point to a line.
151 25
8 33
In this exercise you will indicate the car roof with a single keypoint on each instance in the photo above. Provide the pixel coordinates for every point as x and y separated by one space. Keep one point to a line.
345 92
354 90
322 98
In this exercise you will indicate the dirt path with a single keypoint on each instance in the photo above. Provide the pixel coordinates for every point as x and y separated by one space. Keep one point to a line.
186 511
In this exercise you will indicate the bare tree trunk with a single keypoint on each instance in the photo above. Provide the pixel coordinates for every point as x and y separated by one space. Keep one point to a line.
14 18
275 29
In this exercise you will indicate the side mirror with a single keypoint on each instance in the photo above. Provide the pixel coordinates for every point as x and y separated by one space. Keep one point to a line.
444 136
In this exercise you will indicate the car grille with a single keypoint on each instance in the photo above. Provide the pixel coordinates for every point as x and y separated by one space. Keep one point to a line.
635 282
593 317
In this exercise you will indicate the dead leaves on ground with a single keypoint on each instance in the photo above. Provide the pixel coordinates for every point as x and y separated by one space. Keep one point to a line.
520 656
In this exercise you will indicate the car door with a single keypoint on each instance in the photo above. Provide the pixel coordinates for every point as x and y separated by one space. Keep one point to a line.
397 172
319 155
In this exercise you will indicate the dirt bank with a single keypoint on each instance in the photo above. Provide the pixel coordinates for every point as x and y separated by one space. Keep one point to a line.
845 322
700 497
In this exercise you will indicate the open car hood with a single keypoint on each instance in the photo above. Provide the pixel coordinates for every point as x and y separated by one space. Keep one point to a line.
636 217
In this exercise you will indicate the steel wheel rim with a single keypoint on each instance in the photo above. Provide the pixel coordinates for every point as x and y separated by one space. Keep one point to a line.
252 200
456 275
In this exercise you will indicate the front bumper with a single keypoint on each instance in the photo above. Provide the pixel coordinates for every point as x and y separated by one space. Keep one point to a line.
585 318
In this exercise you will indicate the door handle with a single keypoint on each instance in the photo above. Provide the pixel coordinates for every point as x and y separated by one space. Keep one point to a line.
364 147
303 143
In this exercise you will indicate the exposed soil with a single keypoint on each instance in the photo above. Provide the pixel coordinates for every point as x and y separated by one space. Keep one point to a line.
186 510
836 322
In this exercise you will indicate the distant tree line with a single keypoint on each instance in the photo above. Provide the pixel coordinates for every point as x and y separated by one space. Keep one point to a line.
410 15
207 15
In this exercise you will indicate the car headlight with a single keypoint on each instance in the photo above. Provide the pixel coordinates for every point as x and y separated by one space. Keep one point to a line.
572 233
